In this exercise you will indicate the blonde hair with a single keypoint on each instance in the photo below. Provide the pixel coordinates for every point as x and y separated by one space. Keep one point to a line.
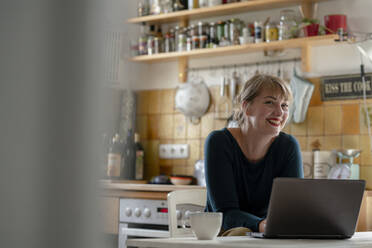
253 87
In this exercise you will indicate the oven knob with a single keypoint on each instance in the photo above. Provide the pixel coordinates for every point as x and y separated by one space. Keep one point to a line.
178 214
147 212
137 212
128 212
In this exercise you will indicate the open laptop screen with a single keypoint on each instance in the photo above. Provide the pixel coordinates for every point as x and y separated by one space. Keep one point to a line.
314 208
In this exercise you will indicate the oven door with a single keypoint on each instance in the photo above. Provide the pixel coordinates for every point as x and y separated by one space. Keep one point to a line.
130 230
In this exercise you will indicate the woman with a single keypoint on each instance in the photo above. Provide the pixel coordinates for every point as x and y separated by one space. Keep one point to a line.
241 163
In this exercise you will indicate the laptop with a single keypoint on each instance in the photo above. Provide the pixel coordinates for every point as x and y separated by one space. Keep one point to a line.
313 208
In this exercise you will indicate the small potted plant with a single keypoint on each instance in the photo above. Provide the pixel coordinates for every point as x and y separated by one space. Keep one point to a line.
310 26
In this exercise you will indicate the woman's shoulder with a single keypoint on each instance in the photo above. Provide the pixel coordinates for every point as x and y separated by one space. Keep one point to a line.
221 136
218 134
285 140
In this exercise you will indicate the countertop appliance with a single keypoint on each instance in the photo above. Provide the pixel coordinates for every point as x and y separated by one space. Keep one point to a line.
141 218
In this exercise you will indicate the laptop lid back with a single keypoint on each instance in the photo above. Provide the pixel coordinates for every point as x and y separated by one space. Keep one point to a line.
314 208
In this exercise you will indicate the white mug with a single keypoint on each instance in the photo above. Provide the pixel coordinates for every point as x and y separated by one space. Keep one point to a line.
206 225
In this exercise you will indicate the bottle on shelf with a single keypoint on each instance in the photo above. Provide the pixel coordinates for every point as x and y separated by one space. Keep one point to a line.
128 163
140 155
114 158
142 40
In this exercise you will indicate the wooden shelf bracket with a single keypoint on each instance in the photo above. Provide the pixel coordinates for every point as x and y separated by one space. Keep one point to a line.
306 58
182 69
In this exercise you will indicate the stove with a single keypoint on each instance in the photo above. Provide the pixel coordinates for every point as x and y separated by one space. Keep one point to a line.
149 218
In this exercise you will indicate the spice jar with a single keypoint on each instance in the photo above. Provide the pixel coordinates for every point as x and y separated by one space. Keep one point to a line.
181 42
271 32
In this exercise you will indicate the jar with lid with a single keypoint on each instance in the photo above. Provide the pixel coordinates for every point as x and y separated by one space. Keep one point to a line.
271 32
143 8
158 45
213 41
167 6
258 29
220 30
287 25
193 30
188 44
155 7
150 45
195 42
181 42
169 42
202 28
234 31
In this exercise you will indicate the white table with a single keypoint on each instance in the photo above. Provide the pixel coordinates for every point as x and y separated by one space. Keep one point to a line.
360 239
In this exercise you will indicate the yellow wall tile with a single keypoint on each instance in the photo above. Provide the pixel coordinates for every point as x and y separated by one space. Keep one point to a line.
153 102
287 128
332 142
214 93
350 141
165 126
219 124
363 118
165 169
151 158
311 140
315 98
193 130
190 170
179 126
302 141
194 151
315 121
350 119
179 170
332 120
167 101
366 154
366 174
152 126
298 128
142 102
141 126
207 124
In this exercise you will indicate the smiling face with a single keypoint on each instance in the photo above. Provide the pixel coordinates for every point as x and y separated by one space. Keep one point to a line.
267 113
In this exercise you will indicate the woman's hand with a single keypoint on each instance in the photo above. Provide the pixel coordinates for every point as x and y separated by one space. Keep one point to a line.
262 225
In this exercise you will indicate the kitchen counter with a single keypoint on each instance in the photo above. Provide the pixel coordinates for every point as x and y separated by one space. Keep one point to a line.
360 239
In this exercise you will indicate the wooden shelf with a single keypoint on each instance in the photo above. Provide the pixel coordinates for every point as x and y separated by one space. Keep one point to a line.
238 49
224 9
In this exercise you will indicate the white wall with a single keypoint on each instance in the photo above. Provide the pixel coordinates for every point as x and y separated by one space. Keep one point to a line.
326 60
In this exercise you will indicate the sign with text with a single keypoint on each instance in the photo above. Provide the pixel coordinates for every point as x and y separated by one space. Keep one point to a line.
345 87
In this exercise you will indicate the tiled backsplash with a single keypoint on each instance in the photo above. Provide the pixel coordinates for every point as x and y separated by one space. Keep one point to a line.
332 124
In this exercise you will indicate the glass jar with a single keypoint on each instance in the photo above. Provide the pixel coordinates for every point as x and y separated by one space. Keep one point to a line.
213 41
287 25
234 31
271 32
181 42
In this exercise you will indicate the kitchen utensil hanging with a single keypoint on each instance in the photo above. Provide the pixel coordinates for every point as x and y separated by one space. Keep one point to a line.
223 107
193 98
302 91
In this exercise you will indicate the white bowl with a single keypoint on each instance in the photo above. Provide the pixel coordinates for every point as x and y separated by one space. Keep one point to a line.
180 180
206 225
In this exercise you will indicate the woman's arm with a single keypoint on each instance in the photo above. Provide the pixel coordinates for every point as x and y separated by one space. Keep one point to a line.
293 160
